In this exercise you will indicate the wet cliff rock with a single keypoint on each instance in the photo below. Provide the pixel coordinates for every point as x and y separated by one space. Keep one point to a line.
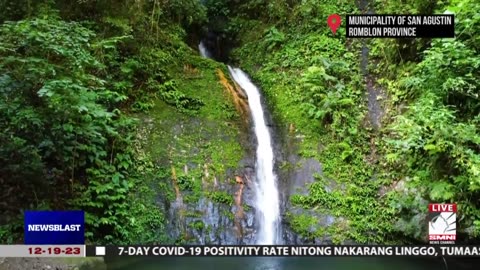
296 174
205 163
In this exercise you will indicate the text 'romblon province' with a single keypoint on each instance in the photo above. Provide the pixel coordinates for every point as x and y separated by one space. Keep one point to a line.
299 251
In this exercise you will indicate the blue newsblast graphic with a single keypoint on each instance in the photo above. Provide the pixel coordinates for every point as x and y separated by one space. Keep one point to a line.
54 227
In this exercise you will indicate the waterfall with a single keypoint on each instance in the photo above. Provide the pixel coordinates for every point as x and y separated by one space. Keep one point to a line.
203 50
267 197
266 191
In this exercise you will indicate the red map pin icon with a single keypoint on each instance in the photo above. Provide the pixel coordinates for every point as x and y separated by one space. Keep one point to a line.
334 22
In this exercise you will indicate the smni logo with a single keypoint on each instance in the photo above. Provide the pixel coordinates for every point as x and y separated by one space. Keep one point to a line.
442 225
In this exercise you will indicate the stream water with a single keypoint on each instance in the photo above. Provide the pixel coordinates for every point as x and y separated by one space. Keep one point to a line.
290 263
267 203
267 199
203 50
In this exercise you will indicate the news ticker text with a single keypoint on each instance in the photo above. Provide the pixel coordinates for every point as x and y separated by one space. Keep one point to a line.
236 251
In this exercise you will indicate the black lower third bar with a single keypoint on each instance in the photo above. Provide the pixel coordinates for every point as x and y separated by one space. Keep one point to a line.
97 251
283 251
115 251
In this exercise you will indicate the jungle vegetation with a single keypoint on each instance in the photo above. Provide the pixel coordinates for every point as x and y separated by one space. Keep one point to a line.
74 75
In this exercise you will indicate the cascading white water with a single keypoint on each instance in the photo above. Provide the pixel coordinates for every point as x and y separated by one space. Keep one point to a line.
267 197
203 50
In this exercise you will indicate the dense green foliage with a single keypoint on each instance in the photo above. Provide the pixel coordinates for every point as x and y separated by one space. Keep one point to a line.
77 76
433 145
73 74
58 130
427 150
312 80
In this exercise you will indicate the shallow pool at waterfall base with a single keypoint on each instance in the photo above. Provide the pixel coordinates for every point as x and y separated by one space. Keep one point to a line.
302 263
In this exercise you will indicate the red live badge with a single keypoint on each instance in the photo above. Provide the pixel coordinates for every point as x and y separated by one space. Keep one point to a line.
334 22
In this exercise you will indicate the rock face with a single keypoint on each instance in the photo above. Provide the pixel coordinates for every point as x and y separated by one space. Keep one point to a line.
208 167
223 213
209 221
298 173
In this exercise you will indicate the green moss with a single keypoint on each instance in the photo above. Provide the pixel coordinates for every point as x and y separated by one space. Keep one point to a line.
208 229
187 140
304 66
194 214
166 190
226 154
229 215
303 224
192 198
221 197
210 137
197 225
